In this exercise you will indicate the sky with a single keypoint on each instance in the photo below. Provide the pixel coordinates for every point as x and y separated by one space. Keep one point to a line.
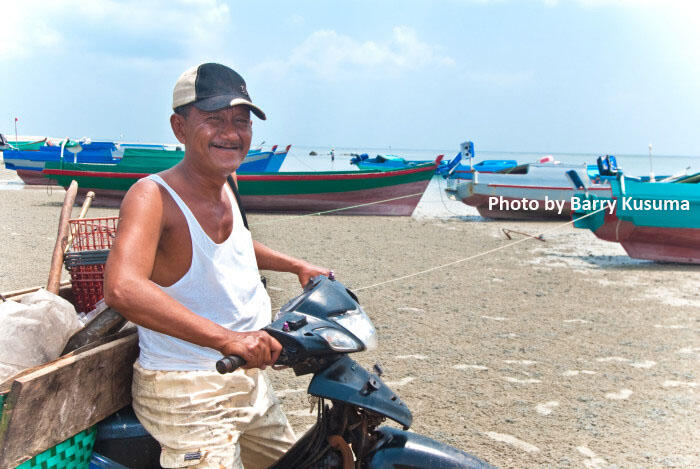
576 76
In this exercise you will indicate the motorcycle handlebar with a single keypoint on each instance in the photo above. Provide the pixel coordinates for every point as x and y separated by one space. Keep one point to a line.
229 364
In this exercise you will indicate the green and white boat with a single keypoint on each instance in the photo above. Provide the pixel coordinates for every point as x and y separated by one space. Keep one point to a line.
651 220
369 192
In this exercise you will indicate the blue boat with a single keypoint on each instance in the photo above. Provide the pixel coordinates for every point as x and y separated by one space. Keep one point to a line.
453 169
383 162
456 169
464 171
29 164
259 161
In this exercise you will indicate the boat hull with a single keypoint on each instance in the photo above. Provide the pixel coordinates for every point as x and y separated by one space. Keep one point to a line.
35 178
406 197
529 191
670 234
481 197
648 242
394 193
482 202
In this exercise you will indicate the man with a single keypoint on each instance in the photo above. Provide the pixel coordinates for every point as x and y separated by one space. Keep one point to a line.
185 270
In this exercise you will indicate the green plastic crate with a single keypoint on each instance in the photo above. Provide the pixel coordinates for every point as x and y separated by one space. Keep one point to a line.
74 453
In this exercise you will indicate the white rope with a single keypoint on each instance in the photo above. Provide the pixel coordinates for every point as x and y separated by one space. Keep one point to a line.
396 279
442 194
474 256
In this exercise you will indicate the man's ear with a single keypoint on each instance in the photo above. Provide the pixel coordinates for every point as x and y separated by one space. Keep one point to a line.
177 122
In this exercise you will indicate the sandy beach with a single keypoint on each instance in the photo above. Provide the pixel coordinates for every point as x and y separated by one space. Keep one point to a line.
563 353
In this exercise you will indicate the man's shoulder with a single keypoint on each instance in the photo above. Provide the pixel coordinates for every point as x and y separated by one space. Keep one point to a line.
144 187
145 195
148 198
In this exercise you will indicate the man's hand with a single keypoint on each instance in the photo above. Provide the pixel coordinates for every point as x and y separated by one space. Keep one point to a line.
257 348
269 259
306 271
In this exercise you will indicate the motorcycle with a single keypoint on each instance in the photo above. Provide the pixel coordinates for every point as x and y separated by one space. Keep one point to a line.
318 329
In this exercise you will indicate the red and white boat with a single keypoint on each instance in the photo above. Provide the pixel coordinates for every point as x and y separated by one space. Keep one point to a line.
528 191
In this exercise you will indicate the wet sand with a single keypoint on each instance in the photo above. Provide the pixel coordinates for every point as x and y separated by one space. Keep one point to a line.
563 354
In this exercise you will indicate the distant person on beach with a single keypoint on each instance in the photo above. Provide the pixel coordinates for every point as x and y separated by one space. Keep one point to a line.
332 154
184 268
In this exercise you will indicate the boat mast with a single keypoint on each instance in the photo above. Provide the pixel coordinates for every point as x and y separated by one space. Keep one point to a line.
651 169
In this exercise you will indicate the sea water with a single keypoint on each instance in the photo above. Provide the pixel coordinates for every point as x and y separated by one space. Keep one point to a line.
299 159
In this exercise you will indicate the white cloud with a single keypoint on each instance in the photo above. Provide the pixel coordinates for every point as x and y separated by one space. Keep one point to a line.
33 27
328 54
23 31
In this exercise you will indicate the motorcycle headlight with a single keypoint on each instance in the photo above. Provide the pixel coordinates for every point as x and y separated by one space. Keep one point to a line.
338 340
359 324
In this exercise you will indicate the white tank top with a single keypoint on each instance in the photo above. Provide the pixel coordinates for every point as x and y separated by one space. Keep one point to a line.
223 285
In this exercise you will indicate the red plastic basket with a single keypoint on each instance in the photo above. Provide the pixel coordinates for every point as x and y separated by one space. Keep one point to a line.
90 234
87 281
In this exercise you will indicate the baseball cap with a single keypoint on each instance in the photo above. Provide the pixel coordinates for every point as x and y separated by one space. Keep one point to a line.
211 87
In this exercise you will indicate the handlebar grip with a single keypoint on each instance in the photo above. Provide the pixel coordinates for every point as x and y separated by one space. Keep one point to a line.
229 364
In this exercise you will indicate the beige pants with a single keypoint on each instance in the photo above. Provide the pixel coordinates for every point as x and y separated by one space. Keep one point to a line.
206 420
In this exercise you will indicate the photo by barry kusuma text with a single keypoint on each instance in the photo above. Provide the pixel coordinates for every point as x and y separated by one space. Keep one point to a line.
588 205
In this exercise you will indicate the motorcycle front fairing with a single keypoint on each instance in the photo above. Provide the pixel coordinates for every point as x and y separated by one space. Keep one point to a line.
398 449
347 381
298 327
336 376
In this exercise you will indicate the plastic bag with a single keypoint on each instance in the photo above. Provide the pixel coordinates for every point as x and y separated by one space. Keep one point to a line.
34 331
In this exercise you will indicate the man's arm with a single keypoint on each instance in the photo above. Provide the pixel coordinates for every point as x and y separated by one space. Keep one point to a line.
129 290
269 259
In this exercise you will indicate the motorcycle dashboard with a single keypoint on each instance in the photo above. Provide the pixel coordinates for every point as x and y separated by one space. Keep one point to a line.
322 298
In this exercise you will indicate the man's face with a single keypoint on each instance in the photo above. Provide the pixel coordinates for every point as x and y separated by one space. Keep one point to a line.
218 140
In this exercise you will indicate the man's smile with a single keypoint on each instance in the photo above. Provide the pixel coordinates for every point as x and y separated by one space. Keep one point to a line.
223 146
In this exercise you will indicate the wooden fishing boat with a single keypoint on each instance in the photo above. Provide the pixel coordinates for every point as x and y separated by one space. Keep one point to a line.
29 164
460 167
386 162
466 172
121 157
388 192
259 161
651 220
529 191
453 169
394 192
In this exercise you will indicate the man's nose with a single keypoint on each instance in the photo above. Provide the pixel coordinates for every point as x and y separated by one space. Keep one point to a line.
230 131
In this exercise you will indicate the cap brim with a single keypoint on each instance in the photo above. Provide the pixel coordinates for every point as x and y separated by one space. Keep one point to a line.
221 102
